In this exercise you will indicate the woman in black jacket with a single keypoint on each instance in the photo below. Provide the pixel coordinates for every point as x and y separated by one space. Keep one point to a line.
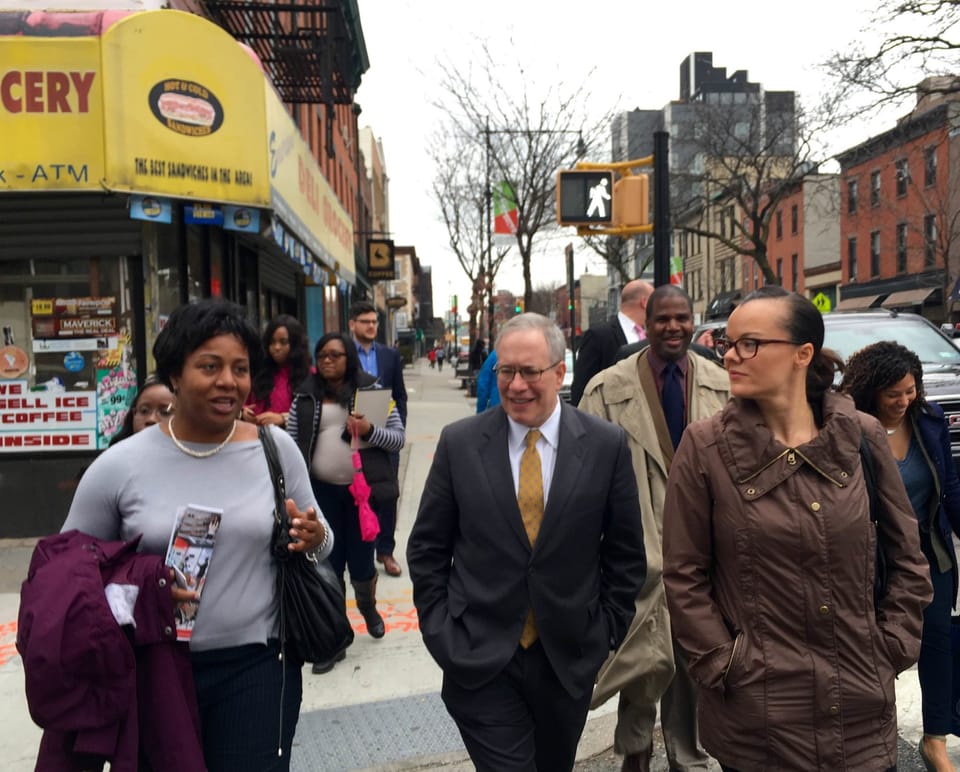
322 421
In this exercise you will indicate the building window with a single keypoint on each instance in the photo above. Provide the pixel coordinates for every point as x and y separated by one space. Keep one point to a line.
794 218
794 272
780 271
852 258
929 240
723 275
875 253
930 166
852 196
875 188
901 247
903 175
779 224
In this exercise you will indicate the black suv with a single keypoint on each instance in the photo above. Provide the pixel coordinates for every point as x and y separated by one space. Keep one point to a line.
849 332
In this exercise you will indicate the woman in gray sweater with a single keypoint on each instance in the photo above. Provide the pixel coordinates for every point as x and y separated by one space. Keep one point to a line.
207 354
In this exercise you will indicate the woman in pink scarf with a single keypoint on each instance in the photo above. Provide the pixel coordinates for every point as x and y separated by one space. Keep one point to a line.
287 365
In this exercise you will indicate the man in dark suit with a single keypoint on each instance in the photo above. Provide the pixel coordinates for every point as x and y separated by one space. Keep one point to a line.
526 557
384 363
598 349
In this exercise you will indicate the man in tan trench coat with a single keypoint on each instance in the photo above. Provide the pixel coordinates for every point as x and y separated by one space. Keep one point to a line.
629 394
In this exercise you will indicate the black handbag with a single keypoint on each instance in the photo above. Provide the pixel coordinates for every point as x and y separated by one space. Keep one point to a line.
313 611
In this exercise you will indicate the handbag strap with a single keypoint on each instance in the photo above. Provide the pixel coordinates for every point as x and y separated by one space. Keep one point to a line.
870 478
276 473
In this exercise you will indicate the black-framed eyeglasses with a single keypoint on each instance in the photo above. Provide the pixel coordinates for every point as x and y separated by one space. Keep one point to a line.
529 374
333 356
746 348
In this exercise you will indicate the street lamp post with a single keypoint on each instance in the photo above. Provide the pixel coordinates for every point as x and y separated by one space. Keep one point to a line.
488 197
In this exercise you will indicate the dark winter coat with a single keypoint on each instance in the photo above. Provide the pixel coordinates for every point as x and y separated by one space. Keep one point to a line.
769 564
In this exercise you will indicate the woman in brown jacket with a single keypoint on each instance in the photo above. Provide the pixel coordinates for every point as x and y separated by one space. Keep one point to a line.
769 558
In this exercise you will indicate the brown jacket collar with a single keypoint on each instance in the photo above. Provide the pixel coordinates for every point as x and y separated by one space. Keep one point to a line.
757 462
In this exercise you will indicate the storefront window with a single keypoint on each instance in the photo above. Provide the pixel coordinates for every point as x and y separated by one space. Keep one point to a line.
67 364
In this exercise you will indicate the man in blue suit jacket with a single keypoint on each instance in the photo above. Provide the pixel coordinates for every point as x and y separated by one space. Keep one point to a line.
383 362
480 574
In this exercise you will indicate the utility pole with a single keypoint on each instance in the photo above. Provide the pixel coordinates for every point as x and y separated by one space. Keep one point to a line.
661 208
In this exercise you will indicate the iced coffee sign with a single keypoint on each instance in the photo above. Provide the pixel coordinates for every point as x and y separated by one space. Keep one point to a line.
46 419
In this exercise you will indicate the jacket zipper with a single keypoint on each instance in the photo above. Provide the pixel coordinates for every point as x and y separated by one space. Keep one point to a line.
789 452
736 647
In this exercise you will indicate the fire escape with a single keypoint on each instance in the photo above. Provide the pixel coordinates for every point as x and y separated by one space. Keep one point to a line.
312 50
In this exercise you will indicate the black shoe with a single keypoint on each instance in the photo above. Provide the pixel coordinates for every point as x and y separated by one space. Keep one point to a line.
319 668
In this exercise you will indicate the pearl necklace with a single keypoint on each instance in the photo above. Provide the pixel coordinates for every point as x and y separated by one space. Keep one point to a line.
200 453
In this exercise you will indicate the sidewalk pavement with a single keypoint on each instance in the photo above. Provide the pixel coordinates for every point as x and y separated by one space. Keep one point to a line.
380 709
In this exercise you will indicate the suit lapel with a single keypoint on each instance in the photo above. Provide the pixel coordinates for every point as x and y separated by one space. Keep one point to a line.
495 461
566 469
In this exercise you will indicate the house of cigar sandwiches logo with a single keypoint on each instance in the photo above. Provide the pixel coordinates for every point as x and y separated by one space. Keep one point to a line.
186 107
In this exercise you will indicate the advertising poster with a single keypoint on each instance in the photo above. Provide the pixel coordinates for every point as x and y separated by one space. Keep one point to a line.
116 389
46 418
82 374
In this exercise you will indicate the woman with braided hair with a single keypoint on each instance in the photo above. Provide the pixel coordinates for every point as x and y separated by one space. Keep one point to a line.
886 380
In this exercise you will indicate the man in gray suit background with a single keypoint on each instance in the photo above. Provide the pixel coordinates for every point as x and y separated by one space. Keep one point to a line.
526 557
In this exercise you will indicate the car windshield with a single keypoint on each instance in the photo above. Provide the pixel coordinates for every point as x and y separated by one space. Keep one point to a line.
927 343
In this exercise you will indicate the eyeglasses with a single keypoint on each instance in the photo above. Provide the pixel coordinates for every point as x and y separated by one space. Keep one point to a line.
332 356
746 348
365 321
528 374
161 411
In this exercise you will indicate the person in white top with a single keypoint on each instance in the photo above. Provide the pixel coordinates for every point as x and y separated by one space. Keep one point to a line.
598 349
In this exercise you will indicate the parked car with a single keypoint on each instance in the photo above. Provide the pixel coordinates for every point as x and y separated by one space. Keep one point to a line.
847 332
568 376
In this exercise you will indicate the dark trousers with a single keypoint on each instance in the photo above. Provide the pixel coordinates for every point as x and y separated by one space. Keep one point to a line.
249 705
935 666
387 515
349 550
521 721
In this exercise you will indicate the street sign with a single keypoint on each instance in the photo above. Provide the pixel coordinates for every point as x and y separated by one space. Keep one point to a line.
397 301
380 260
822 302
584 197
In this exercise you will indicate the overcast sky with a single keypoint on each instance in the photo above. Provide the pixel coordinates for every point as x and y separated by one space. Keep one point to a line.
635 49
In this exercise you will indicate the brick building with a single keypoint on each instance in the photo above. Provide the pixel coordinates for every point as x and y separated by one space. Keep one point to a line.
899 201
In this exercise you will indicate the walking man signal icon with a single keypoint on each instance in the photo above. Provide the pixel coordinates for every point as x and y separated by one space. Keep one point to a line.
598 195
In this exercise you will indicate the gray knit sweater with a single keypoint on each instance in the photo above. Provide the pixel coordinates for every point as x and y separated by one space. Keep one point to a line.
137 486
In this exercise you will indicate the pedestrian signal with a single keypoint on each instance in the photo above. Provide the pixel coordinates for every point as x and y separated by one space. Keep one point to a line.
585 197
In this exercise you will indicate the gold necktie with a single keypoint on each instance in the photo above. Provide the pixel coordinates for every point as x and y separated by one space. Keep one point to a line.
530 501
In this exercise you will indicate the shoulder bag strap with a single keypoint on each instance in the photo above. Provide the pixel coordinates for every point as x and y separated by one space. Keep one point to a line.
870 479
276 472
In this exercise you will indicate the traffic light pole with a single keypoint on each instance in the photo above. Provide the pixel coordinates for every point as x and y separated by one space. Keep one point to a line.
661 208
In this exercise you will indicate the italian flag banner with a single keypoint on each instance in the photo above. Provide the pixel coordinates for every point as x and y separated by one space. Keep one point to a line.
505 215
676 269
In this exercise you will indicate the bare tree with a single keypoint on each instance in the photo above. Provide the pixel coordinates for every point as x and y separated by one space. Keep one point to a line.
616 253
743 161
522 139
458 190
544 298
914 39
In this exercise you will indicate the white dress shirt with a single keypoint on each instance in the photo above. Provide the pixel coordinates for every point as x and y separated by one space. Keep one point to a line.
546 447
629 328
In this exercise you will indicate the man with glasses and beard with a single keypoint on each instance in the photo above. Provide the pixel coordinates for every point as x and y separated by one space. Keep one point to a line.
526 557
385 364
653 395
